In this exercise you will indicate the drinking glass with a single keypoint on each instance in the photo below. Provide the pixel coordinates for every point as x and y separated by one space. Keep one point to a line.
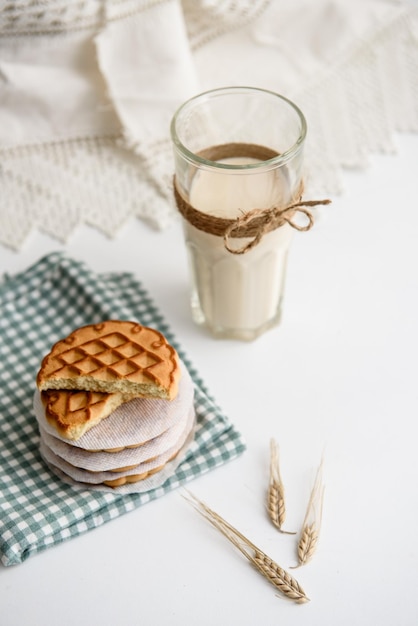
238 155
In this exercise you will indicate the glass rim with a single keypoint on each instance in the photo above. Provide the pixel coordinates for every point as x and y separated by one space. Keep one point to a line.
274 162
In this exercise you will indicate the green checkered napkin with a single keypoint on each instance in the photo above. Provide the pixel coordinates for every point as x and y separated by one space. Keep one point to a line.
37 308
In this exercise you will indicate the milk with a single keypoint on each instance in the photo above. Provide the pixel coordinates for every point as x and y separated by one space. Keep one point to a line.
237 296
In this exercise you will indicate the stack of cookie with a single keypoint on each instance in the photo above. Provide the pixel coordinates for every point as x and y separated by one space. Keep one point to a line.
114 405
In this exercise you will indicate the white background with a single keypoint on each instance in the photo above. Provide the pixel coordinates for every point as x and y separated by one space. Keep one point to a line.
338 377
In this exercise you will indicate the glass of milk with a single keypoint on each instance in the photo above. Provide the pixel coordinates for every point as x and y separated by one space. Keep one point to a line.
236 150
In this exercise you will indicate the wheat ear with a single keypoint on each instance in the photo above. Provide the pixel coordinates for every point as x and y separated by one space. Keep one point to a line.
312 523
276 506
276 575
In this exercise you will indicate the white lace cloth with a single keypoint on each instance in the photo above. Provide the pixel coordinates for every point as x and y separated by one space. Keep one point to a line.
88 88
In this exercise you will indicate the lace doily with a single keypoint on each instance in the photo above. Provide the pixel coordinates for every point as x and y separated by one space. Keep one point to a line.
87 139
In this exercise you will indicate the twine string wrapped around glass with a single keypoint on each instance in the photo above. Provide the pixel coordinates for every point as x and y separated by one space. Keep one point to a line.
238 185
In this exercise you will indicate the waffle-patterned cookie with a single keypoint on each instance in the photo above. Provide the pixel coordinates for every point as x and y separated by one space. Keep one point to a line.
73 413
133 478
113 357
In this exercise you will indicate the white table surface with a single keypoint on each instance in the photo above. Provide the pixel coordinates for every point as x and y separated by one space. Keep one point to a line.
339 377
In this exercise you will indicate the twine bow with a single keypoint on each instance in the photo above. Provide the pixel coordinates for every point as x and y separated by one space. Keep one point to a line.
255 223
263 221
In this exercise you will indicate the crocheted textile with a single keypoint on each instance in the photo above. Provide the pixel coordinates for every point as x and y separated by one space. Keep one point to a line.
88 140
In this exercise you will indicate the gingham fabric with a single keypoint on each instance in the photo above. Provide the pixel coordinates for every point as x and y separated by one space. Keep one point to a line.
37 308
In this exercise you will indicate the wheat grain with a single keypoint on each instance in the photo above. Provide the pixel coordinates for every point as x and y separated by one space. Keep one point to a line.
275 574
276 506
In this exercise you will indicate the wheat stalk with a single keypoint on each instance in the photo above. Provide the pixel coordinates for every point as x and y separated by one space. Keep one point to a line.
312 523
275 495
276 575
